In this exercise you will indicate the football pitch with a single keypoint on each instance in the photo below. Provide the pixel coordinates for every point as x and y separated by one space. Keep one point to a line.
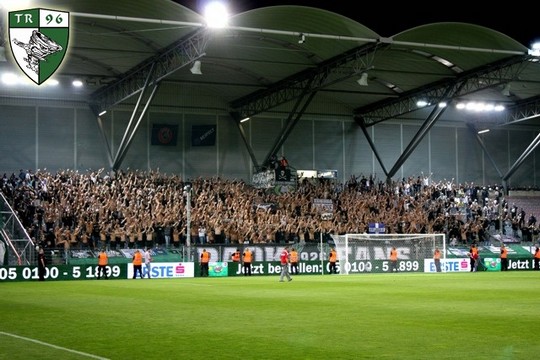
484 315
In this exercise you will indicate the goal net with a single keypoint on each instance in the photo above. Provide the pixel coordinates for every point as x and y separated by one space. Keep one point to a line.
361 253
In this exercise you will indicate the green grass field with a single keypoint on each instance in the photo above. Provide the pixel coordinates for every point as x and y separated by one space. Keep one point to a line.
485 315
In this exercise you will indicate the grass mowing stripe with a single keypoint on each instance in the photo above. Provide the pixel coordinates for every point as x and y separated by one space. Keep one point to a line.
368 316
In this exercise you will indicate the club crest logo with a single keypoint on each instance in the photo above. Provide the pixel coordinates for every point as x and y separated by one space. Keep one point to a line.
38 40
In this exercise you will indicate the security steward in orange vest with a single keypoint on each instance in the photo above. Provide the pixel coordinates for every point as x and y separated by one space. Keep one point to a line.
504 258
473 254
205 259
137 264
247 259
393 260
293 256
332 259
103 261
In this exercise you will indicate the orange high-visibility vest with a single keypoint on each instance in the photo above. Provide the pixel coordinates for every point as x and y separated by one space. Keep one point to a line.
103 258
137 258
504 253
247 256
437 255
294 256
333 256
393 255
205 256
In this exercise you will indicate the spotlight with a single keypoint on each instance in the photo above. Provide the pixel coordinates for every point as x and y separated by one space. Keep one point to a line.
363 81
196 68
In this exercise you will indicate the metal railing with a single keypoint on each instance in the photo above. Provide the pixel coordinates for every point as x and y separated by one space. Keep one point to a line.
19 246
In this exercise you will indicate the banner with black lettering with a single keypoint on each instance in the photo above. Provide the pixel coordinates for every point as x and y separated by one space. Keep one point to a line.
164 134
203 135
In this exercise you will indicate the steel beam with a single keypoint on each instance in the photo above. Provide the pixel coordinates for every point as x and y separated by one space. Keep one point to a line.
467 83
156 69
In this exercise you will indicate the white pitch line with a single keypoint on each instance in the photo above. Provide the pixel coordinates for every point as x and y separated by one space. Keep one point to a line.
54 346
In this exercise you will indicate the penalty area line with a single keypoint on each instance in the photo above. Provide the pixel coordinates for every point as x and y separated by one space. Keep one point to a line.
53 346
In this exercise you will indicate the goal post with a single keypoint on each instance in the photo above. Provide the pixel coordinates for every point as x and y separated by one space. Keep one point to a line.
365 253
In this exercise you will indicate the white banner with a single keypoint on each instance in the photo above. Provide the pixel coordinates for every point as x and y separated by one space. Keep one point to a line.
168 270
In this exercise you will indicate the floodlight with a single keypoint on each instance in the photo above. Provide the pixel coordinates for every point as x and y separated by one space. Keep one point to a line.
196 68
363 81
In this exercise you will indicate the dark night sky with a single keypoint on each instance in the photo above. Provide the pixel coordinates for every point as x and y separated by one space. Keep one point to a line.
390 18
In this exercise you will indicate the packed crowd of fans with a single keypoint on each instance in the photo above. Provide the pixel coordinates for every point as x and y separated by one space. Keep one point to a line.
135 209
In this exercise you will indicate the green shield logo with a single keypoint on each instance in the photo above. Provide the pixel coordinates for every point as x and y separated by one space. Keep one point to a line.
38 40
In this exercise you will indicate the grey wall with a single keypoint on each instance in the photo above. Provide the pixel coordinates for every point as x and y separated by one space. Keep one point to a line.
67 136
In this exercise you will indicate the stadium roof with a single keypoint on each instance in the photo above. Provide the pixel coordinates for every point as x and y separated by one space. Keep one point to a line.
288 61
